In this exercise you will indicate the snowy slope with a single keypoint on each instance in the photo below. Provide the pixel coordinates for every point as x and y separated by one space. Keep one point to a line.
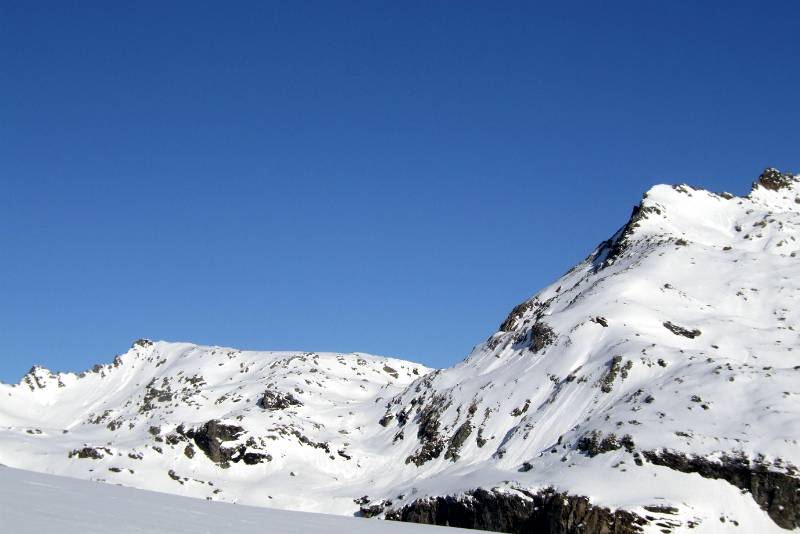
35 503
657 377
124 422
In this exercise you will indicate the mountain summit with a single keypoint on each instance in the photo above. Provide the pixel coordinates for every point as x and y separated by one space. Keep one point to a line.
652 388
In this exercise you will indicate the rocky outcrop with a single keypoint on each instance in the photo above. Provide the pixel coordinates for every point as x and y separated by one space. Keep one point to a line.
774 180
545 512
458 439
273 400
428 435
681 331
92 453
210 437
610 251
595 443
510 322
777 493
541 336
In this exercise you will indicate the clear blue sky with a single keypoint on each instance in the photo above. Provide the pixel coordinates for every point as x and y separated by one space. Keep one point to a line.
387 177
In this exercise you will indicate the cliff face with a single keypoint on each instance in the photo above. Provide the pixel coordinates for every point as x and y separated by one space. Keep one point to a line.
653 387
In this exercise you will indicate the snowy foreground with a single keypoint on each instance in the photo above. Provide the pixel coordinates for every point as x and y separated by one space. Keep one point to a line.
36 503
655 387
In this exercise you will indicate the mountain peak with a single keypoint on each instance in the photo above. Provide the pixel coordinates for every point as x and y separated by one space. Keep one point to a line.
775 180
657 378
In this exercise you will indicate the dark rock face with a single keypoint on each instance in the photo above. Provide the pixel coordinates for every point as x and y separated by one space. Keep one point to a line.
370 511
458 439
209 439
428 435
775 492
615 367
390 371
153 395
92 453
615 248
546 512
541 336
774 180
516 314
681 331
253 458
374 509
386 419
273 400
595 443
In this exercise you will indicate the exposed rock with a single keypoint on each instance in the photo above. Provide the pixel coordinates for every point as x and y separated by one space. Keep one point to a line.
458 439
253 458
547 512
613 370
316 444
153 394
681 331
517 411
428 435
775 492
390 371
615 247
374 509
209 439
595 443
272 400
386 419
516 314
92 453
774 180
541 336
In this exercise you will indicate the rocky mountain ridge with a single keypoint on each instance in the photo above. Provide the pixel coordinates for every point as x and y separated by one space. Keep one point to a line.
652 388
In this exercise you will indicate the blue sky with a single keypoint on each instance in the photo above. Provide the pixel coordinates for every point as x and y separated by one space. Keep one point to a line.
386 177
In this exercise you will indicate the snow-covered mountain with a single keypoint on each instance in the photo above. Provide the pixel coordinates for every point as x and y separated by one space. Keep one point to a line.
652 388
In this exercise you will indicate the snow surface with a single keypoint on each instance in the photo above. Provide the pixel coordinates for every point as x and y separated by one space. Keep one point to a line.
590 353
35 503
